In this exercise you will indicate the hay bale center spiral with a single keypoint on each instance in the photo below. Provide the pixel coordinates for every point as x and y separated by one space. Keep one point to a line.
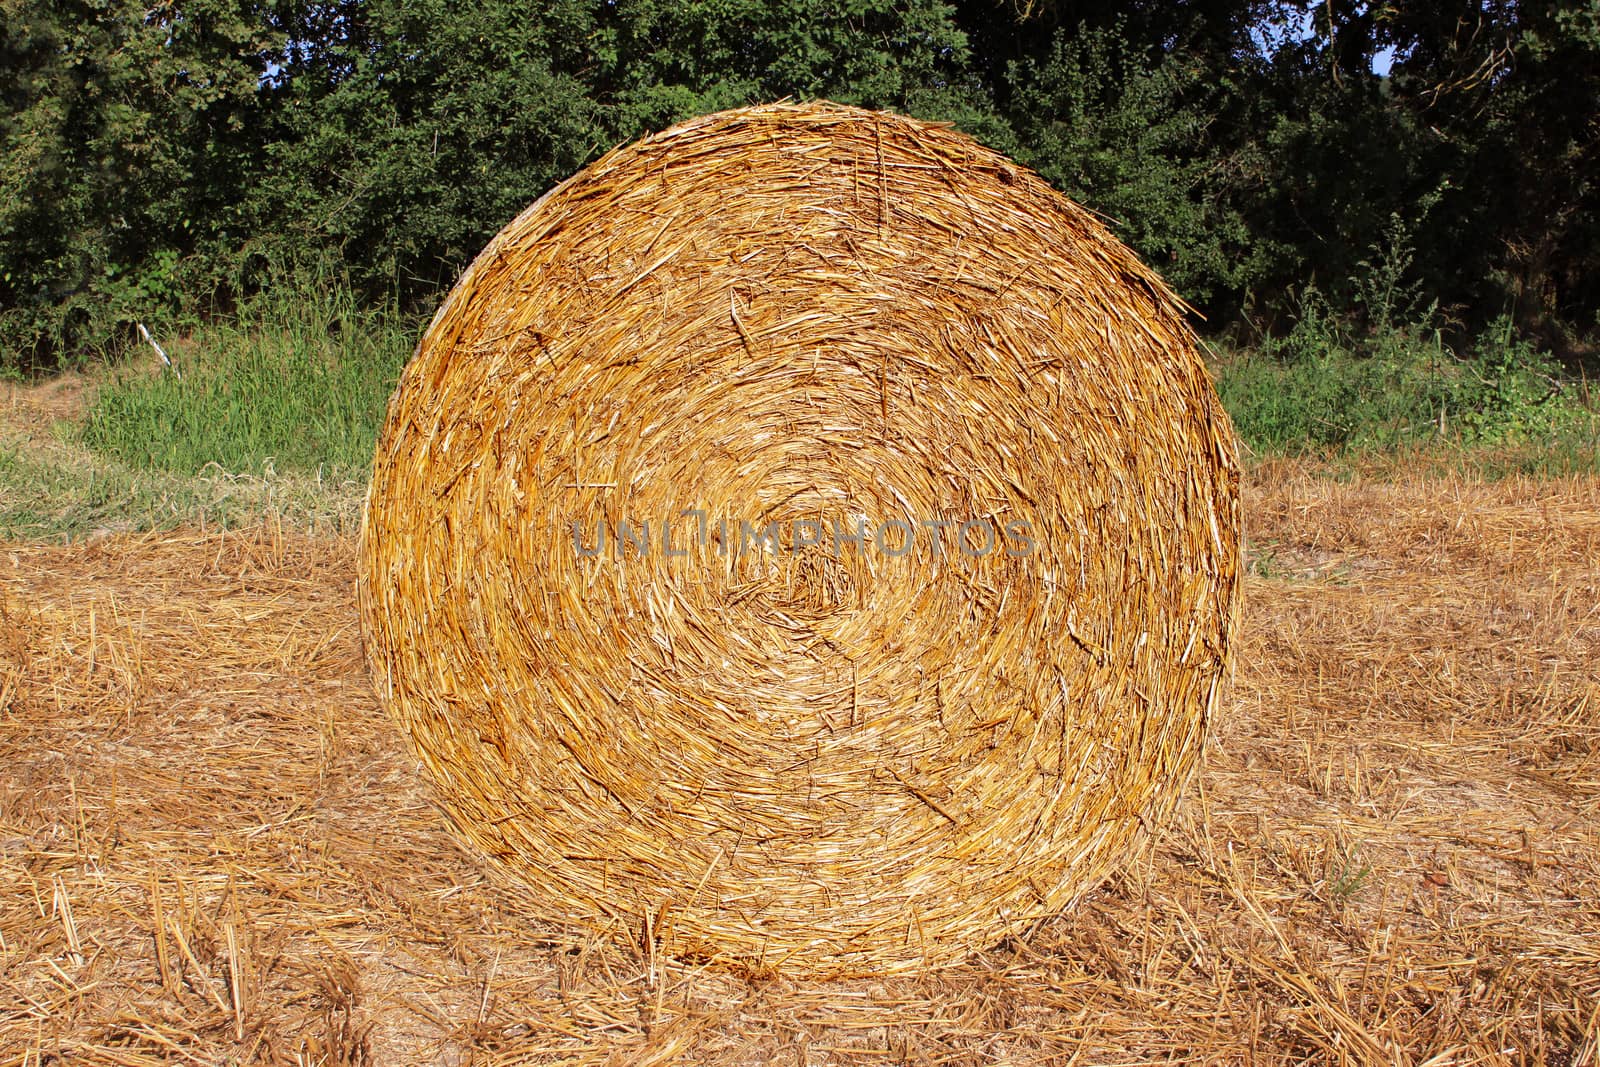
805 538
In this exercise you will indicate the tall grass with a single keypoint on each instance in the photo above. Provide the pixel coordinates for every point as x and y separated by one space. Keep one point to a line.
297 380
1327 390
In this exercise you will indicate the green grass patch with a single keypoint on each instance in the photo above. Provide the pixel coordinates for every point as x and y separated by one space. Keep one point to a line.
1503 408
297 381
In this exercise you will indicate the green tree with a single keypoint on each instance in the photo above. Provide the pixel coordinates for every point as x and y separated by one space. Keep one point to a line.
122 132
1490 121
152 157
408 131
1135 133
414 129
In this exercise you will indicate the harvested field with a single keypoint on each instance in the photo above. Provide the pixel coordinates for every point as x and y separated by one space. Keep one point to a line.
216 848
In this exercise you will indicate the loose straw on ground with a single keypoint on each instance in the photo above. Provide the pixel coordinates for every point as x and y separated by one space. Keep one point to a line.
804 537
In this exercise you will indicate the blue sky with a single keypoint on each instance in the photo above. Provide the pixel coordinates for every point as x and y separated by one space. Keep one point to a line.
1267 34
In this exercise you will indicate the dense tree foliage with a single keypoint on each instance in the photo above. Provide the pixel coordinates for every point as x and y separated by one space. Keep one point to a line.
157 158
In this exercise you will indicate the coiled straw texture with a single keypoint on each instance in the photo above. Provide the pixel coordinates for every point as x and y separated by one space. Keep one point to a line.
804 538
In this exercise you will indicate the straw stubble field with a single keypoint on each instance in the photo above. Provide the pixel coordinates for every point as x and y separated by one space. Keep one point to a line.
216 849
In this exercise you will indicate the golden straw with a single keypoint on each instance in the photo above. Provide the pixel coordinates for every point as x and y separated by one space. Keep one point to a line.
807 538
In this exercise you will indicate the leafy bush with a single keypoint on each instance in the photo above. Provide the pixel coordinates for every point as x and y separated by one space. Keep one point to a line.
1135 138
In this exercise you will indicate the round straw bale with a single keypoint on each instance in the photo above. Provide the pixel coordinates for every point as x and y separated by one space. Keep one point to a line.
806 538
